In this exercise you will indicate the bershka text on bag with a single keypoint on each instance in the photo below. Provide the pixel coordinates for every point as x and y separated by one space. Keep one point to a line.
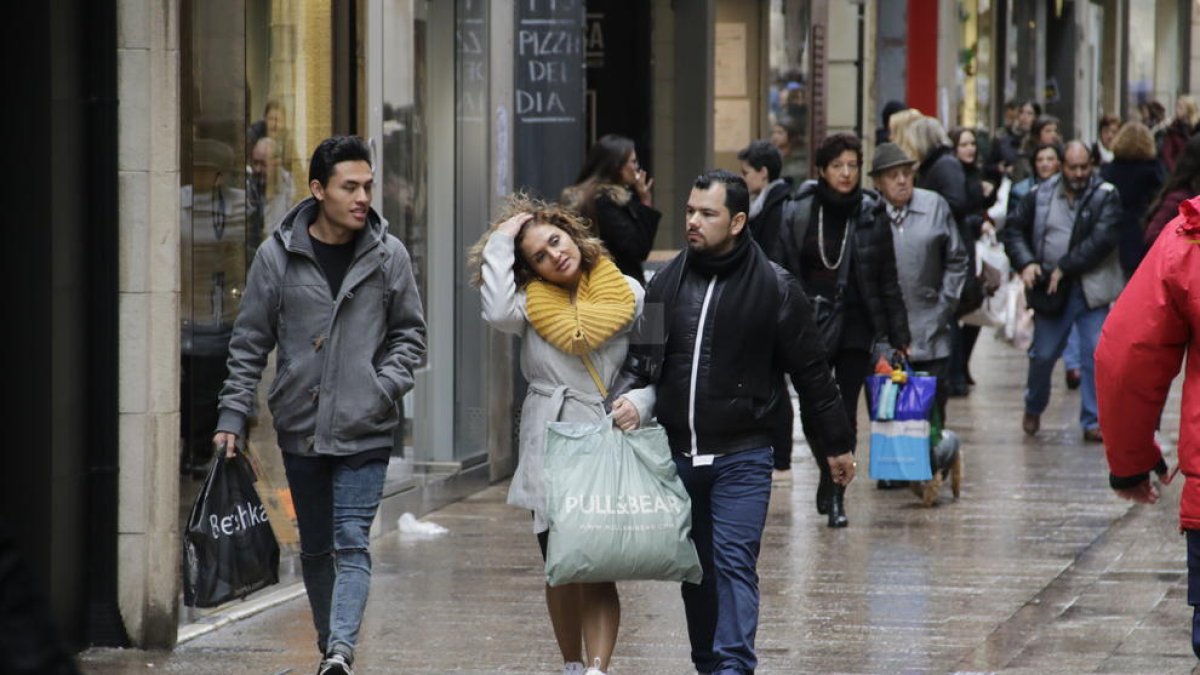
227 525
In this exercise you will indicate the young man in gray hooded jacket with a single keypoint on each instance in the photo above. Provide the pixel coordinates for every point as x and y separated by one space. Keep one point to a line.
334 294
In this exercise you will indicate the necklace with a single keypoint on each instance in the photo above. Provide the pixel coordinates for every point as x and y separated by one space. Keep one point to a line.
821 242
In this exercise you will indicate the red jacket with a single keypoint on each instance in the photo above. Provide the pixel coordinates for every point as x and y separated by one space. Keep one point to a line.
1154 322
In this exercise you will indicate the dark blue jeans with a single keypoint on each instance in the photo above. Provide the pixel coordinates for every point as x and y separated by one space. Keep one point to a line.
335 505
729 509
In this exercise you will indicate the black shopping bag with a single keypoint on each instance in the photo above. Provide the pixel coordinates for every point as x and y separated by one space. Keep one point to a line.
229 549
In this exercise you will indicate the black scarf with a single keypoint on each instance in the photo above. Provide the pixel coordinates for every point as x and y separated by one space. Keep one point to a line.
745 309
838 207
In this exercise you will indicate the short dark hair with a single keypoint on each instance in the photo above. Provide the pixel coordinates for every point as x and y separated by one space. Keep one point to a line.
1037 107
333 151
737 195
1056 147
834 145
763 154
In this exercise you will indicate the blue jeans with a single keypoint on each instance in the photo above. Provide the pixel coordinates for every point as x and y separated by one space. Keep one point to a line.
1071 355
1050 335
729 509
335 505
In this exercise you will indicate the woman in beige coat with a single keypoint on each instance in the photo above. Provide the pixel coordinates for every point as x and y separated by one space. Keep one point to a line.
544 277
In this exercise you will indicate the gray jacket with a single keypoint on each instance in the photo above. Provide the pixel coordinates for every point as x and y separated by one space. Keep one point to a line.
342 363
1092 258
931 263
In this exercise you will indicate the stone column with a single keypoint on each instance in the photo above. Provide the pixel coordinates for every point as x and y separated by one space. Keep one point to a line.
148 165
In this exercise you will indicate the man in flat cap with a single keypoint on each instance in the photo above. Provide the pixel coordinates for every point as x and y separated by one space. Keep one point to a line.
931 260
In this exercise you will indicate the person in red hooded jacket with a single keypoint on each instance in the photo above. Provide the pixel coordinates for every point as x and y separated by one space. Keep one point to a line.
1150 328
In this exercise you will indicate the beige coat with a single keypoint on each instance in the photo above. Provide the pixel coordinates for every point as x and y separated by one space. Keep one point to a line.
560 388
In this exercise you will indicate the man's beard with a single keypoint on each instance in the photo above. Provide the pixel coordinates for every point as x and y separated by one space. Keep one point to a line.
1079 185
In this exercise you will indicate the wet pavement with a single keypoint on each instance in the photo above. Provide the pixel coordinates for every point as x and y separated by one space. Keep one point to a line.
1039 568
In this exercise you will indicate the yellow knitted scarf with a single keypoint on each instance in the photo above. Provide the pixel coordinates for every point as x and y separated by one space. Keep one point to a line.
603 305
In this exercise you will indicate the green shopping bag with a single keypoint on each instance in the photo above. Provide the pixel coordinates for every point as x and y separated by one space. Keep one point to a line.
616 507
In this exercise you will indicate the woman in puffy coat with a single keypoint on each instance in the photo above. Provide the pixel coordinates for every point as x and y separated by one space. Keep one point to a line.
1151 327
813 246
613 192
1138 176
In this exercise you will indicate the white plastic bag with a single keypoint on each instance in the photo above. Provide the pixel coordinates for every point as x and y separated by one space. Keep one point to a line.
410 526
999 211
991 266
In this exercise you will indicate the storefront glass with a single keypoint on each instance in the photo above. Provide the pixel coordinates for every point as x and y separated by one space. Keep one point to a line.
472 213
789 91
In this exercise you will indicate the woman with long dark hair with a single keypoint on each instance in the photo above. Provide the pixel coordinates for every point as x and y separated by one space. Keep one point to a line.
979 196
613 192
1181 185
830 223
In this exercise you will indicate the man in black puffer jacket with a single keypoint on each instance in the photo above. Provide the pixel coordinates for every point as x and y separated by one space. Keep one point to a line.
729 323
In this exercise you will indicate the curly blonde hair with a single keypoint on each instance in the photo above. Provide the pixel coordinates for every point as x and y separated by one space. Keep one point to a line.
578 228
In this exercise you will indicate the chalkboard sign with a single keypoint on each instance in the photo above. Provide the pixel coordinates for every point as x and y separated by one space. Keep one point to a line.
548 101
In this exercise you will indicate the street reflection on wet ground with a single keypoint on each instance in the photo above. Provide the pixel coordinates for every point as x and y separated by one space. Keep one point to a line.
1039 568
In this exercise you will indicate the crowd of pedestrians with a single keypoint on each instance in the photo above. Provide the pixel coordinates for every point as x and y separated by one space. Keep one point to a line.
790 281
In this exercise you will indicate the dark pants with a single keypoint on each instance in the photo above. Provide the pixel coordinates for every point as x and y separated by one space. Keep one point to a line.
850 370
782 438
729 509
963 341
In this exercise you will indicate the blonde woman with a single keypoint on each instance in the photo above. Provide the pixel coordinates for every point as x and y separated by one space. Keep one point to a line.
938 169
546 278
898 125
1138 177
1180 130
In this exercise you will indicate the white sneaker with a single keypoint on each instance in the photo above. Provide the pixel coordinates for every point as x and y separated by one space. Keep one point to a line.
573 668
594 669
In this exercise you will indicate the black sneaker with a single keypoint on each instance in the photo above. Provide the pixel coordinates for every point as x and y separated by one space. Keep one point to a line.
335 664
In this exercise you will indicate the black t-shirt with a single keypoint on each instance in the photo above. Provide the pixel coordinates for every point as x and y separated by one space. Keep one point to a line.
334 260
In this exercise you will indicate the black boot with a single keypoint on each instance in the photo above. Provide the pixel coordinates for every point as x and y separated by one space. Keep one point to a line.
837 507
824 492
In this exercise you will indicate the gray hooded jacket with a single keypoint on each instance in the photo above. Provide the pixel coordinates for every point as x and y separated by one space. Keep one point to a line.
342 363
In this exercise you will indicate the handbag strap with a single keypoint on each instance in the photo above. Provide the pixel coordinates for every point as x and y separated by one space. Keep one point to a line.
591 368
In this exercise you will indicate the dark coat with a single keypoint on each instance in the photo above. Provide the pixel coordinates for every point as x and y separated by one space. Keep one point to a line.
872 260
941 172
625 225
1165 213
743 415
765 226
1137 182
1093 238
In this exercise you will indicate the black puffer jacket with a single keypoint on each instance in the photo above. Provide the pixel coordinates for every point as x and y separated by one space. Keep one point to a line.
941 172
872 260
737 394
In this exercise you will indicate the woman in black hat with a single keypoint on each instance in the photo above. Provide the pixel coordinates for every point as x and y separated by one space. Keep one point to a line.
844 259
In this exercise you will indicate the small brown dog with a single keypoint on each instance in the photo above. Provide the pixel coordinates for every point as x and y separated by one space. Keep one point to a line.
947 460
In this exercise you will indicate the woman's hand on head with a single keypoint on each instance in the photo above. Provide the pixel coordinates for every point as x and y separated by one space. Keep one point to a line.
513 225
